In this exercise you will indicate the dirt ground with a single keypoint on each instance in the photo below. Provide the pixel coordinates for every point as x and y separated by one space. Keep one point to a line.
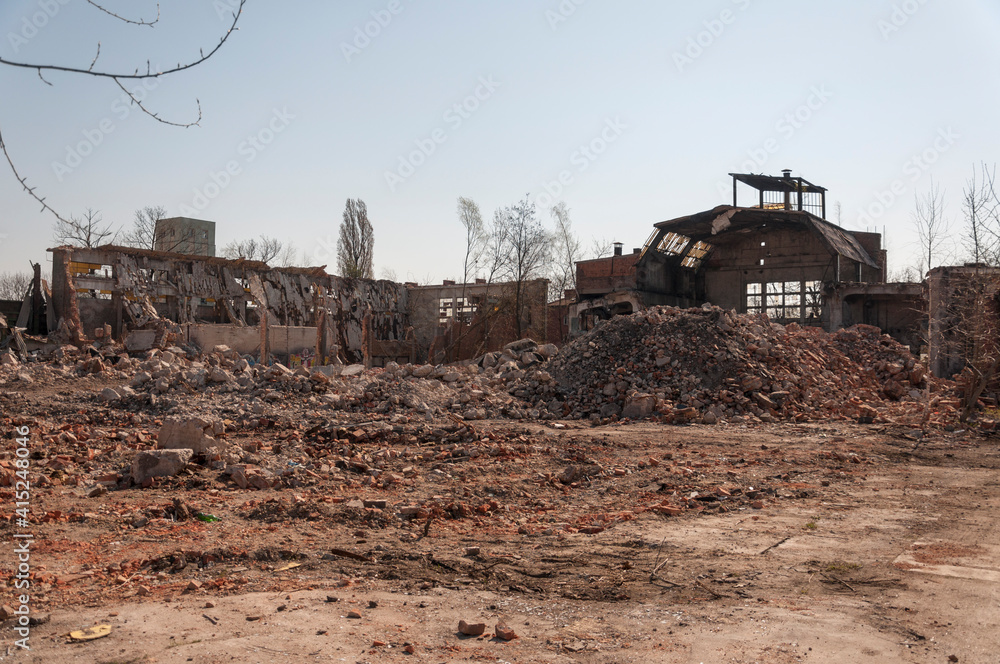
736 543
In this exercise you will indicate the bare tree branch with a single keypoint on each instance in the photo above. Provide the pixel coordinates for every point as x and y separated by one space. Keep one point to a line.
525 249
14 285
567 251
24 183
932 227
265 249
89 232
143 232
135 74
157 117
125 20
94 61
117 77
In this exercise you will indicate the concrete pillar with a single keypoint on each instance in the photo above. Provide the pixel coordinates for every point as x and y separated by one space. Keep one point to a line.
265 337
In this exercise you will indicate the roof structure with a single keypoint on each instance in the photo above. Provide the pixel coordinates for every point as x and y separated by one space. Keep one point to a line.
775 183
710 226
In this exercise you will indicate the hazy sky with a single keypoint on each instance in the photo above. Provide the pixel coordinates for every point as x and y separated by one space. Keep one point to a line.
640 108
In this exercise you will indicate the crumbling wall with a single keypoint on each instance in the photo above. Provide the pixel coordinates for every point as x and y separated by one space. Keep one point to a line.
779 255
352 299
455 322
136 289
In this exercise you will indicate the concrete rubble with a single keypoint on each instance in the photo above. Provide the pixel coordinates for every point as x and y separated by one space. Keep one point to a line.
708 364
702 365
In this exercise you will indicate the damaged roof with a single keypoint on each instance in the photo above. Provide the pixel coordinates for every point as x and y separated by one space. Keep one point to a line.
774 183
727 218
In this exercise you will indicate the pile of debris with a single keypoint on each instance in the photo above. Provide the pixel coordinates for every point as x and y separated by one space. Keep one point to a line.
708 364
677 365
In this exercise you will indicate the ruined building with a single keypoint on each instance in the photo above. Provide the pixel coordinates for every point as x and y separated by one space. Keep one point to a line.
295 315
778 255
183 235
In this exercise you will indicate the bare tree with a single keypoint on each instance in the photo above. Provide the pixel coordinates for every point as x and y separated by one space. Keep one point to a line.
475 236
566 252
89 231
932 227
981 209
907 274
117 77
524 249
600 247
356 246
971 332
143 233
287 256
14 285
265 249
388 274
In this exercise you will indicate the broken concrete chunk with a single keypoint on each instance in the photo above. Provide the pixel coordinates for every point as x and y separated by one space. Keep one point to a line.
218 375
639 406
192 433
278 370
352 370
159 463
140 379
521 345
140 340
423 370
239 476
548 351
327 370
108 394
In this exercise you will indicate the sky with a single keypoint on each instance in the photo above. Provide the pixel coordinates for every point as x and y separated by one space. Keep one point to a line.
630 112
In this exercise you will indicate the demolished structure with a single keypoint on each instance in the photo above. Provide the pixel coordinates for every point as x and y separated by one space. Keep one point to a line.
778 257
298 315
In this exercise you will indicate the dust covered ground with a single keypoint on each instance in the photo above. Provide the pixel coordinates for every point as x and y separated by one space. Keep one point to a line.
645 542
677 486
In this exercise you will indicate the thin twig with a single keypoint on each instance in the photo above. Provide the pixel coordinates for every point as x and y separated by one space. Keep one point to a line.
96 55
136 75
656 563
652 575
24 183
774 546
709 590
125 20
840 581
154 115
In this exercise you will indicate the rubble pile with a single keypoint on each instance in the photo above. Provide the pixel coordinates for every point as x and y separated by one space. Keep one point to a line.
708 364
692 365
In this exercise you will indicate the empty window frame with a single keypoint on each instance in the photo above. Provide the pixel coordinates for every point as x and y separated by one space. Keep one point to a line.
696 255
813 301
790 301
456 308
673 244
